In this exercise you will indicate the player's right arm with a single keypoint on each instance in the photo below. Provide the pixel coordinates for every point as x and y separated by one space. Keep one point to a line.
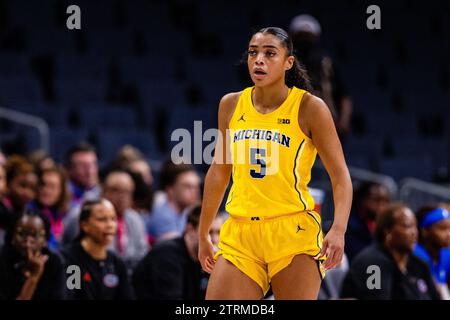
216 181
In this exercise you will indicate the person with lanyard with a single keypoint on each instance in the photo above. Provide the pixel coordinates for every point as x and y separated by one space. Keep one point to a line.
103 274
53 201
434 245
130 242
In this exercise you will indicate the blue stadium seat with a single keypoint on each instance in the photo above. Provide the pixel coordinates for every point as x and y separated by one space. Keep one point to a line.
223 17
144 69
24 13
369 146
370 99
161 93
18 91
184 118
110 141
97 14
390 124
63 138
54 115
212 71
437 149
109 41
49 40
76 92
13 64
107 117
419 167
358 161
77 67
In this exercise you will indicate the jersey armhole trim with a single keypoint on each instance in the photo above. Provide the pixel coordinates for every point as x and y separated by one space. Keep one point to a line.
233 116
298 115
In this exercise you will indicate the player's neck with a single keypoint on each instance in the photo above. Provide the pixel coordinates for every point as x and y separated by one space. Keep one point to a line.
268 98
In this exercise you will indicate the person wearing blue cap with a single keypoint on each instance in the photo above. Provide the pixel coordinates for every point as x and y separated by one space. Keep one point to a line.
434 245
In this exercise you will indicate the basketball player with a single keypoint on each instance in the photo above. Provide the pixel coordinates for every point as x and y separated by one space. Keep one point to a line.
273 235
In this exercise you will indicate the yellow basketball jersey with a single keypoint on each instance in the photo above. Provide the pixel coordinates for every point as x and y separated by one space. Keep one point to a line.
272 159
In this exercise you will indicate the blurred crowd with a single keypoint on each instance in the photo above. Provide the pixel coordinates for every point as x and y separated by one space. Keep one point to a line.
131 239
128 238
131 232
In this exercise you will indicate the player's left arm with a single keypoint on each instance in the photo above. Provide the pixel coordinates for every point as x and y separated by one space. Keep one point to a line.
318 123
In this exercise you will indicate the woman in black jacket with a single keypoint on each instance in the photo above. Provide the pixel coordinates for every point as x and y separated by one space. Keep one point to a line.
103 274
387 270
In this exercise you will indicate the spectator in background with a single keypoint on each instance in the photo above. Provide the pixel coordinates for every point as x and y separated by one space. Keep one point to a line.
143 180
181 185
142 167
53 201
41 160
2 158
434 245
131 159
444 205
4 215
172 270
327 84
370 199
104 275
401 275
214 231
142 196
2 182
28 270
21 184
126 155
82 168
130 242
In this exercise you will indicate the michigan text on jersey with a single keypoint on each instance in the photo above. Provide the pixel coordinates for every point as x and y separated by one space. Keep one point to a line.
260 134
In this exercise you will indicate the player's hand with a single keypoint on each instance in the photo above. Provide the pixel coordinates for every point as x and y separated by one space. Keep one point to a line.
333 248
206 254
35 264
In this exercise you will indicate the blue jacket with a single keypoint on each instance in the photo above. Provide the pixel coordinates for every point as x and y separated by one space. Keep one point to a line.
441 270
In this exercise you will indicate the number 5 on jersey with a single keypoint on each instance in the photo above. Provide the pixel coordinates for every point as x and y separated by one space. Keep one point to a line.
257 156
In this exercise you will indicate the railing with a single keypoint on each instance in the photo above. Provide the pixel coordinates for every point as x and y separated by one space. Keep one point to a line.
366 175
321 181
417 193
32 121
357 174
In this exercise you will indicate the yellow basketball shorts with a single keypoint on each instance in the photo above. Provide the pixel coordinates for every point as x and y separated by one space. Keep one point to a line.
261 247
